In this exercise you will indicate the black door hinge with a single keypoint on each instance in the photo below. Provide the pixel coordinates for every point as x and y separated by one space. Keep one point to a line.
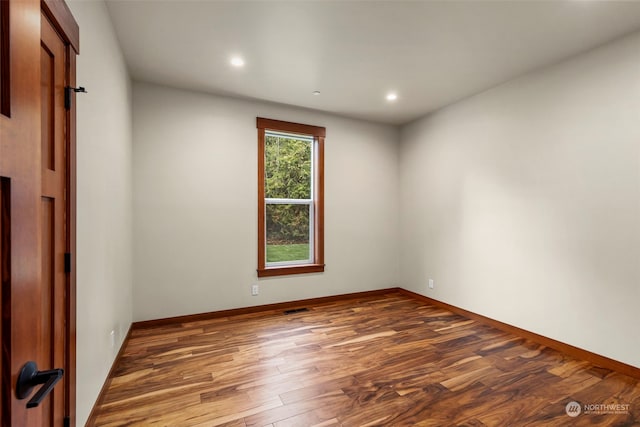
67 95
67 98
66 422
67 262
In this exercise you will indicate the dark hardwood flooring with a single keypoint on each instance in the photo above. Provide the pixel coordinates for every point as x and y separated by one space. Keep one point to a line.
375 361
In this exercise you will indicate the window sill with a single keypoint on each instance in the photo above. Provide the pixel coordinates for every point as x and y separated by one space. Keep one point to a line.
290 269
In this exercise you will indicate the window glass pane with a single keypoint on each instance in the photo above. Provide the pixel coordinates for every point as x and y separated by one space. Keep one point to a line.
287 232
287 167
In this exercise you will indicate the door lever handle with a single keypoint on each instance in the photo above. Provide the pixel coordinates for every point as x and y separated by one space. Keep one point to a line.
30 377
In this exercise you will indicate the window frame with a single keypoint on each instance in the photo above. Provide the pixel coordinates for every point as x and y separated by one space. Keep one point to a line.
317 237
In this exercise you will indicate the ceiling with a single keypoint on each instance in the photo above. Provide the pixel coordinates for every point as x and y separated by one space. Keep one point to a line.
354 52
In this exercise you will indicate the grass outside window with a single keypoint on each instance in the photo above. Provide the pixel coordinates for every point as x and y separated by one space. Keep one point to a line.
296 251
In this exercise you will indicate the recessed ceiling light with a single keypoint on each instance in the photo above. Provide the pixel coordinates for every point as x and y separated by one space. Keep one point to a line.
392 96
316 92
236 61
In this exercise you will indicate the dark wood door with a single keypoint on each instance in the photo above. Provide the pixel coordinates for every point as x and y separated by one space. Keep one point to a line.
37 205
53 212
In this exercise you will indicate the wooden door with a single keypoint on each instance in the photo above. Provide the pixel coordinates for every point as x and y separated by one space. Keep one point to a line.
53 212
37 209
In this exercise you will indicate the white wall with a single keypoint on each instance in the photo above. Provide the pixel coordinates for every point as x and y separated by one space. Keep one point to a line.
195 207
104 281
523 202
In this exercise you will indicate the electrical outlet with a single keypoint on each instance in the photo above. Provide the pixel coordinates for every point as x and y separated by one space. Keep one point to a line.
430 283
255 290
112 338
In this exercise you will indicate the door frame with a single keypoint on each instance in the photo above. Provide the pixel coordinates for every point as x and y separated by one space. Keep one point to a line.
63 22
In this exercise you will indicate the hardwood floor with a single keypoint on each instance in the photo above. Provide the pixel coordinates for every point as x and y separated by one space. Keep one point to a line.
378 361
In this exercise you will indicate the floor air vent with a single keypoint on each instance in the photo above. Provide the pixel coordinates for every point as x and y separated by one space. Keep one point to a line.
296 310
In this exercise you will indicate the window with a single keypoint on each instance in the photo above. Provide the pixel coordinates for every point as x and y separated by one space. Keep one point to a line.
290 198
